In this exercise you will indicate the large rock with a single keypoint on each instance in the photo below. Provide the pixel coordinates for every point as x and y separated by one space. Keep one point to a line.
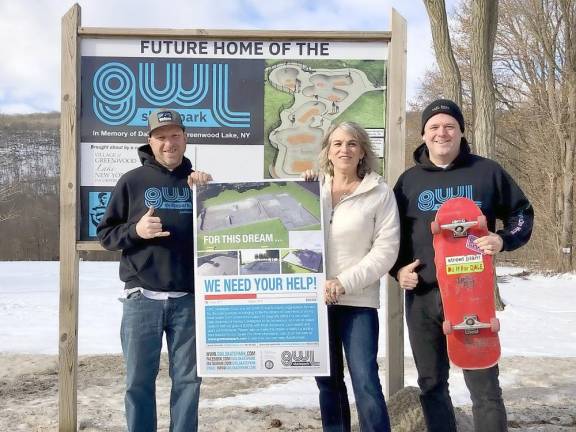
406 413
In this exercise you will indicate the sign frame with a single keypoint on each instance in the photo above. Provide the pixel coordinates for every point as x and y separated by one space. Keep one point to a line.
72 34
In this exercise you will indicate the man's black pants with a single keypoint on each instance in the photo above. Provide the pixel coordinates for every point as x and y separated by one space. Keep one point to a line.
424 317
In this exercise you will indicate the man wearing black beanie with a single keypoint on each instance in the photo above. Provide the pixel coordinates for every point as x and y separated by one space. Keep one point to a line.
443 106
445 168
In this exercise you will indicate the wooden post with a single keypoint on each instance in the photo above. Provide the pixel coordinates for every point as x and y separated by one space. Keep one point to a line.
395 163
69 137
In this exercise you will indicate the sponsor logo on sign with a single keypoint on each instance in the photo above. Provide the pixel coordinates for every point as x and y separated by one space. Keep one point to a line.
299 359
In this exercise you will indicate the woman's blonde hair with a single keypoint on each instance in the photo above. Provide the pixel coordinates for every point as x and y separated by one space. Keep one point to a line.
366 164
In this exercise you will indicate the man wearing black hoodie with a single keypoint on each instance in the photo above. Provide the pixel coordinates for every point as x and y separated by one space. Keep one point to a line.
444 169
149 217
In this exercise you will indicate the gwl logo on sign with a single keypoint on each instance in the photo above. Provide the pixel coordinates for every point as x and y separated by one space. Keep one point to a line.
116 88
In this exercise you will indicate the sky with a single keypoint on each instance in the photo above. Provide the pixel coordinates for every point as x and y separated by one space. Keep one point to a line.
30 33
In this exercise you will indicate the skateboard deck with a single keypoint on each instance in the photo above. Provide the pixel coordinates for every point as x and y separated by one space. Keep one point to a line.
466 280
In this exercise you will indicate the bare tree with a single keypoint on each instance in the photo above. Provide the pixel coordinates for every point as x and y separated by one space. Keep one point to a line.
484 25
6 195
449 70
537 57
8 192
534 72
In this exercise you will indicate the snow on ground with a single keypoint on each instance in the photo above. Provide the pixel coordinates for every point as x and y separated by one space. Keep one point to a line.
539 321
540 315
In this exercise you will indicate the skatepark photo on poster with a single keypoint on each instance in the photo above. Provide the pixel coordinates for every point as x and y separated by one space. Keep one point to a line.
301 261
223 263
259 261
256 215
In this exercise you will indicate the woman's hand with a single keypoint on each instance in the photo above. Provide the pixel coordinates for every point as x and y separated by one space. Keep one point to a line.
309 175
333 289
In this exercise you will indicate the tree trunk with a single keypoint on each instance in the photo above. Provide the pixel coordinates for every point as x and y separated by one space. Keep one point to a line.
452 83
569 126
567 232
484 24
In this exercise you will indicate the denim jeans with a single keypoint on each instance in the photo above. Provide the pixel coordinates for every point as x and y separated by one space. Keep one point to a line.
355 329
143 323
424 316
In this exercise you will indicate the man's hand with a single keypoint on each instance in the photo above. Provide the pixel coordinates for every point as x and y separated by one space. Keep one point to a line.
490 244
198 178
333 289
407 277
150 226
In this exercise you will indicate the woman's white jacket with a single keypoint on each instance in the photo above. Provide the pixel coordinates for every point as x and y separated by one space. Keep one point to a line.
361 236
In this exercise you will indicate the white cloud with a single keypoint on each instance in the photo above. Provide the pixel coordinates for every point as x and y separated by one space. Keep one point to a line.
29 70
30 31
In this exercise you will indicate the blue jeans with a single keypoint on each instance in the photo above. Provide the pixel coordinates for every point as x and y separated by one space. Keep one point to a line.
143 322
355 329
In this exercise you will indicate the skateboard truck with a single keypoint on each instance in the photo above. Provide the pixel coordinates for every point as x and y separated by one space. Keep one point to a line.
471 325
459 227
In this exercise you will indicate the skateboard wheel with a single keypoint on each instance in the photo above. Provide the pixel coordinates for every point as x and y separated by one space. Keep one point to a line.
482 224
494 325
447 327
435 227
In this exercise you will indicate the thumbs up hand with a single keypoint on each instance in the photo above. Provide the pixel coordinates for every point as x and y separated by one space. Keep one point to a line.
150 226
407 276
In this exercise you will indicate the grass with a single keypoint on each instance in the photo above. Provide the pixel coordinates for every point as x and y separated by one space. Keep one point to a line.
308 200
292 268
368 110
375 70
315 227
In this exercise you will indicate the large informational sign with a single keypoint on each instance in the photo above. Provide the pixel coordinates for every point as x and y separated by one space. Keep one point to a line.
259 279
252 109
256 105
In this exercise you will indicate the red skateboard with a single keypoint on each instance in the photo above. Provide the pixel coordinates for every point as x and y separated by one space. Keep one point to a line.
466 280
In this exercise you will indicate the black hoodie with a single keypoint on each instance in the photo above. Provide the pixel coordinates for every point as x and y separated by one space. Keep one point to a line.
421 189
158 264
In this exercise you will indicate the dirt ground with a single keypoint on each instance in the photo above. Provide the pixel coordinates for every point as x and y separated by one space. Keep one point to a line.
541 398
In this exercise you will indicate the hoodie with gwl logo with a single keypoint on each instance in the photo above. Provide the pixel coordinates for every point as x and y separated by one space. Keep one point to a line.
157 264
421 190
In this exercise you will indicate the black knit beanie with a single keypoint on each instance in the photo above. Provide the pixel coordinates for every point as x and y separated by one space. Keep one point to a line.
442 106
